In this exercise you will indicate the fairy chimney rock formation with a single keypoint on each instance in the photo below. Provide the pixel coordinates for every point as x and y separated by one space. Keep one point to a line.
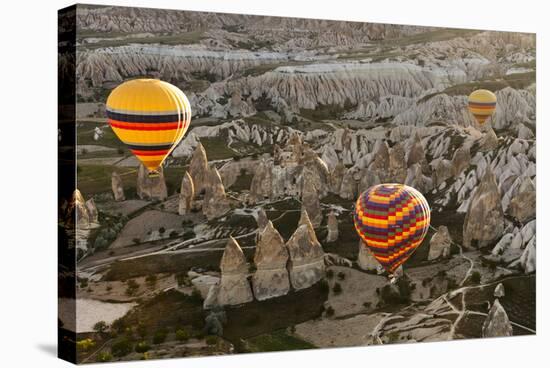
261 219
497 323
271 277
336 177
397 170
332 227
234 287
260 186
187 192
461 160
198 169
440 244
484 221
416 154
366 260
523 205
151 187
499 291
116 186
307 265
311 204
215 201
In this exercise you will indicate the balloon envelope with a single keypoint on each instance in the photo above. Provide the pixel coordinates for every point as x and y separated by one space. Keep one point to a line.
482 104
149 116
392 220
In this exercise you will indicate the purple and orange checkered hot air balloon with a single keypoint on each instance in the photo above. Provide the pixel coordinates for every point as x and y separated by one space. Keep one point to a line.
149 116
392 220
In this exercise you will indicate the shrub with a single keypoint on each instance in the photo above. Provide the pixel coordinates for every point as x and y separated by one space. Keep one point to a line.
181 279
341 276
100 327
211 340
85 344
337 288
182 335
367 304
121 347
161 230
324 287
330 311
173 234
330 274
151 281
196 296
136 241
132 287
159 337
103 357
142 347
475 278
141 329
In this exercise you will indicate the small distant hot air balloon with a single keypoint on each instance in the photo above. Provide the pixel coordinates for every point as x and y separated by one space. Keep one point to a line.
482 104
392 220
149 116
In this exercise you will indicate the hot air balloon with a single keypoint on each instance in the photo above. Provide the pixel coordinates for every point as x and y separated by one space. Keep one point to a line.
149 116
392 220
482 104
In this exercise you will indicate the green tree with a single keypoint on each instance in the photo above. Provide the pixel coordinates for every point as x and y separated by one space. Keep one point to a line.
104 356
182 334
142 347
100 327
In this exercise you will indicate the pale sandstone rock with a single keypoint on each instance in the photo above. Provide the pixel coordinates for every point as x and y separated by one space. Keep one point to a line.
271 277
117 187
151 187
234 287
440 244
187 192
497 323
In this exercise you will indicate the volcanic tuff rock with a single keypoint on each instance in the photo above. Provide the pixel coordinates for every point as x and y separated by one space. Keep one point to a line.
198 169
332 227
336 177
499 291
187 192
416 154
234 287
215 202
497 323
366 260
368 179
261 219
307 264
523 205
117 188
440 244
348 189
85 211
484 221
260 186
91 208
271 277
443 170
461 160
311 204
151 187
397 169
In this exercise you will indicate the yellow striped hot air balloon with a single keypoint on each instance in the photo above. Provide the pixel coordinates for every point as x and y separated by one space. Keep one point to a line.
149 116
482 104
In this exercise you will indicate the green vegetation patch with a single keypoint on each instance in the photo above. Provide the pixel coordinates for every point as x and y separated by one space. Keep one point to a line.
278 340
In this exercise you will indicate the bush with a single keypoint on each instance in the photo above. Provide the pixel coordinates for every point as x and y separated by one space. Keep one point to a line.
341 276
132 287
121 347
161 230
159 337
196 296
85 344
103 357
181 279
330 274
367 304
182 335
173 234
475 278
151 281
211 340
142 347
100 327
337 288
330 311
136 241
324 287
